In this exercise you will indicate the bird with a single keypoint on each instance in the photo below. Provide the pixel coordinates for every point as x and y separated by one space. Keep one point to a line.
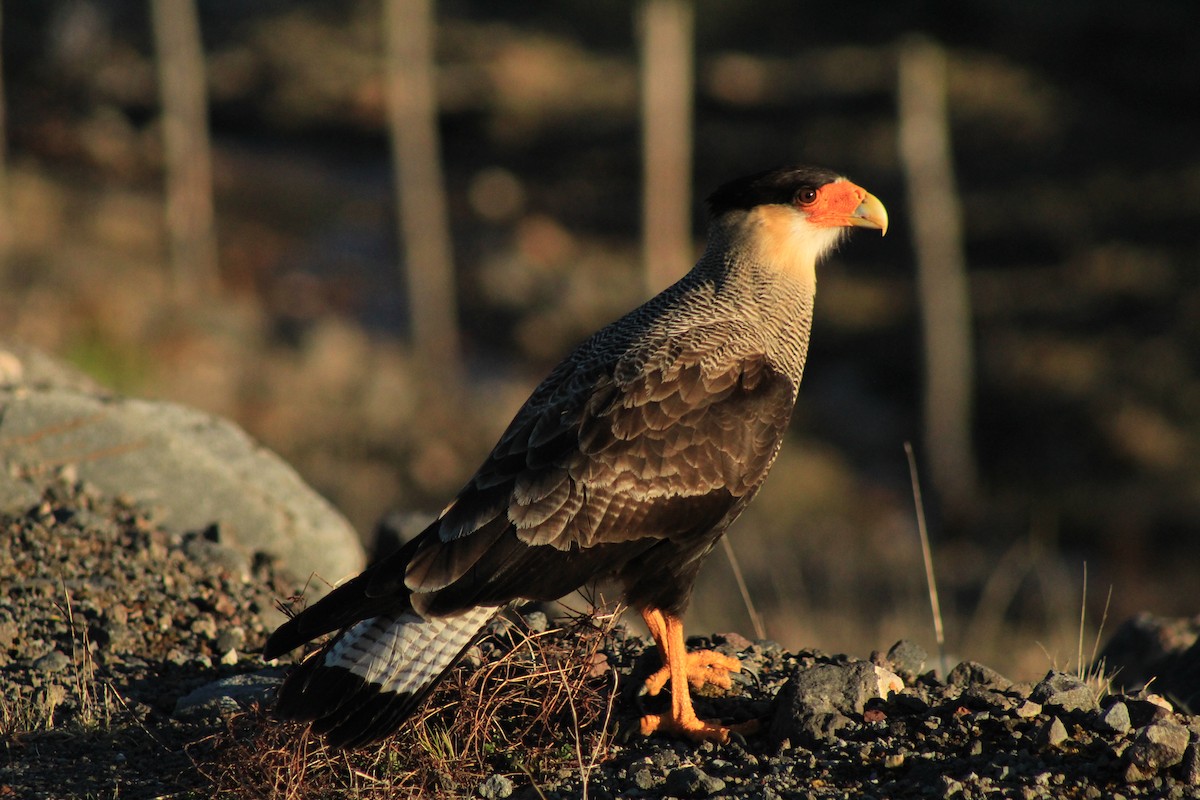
629 461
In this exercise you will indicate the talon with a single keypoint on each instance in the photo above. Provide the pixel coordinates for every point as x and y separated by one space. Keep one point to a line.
685 670
694 728
704 667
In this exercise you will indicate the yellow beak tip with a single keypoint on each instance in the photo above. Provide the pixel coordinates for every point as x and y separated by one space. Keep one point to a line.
871 214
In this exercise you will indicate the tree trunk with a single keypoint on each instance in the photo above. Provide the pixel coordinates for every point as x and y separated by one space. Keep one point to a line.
667 88
187 151
409 78
933 202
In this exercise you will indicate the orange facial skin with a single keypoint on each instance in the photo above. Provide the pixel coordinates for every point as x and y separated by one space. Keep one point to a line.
842 204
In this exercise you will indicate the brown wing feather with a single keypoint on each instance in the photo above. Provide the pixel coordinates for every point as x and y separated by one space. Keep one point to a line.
666 454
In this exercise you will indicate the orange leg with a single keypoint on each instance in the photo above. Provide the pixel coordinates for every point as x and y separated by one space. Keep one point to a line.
683 668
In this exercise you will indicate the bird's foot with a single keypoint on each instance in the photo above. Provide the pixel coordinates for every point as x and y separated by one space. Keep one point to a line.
704 667
692 727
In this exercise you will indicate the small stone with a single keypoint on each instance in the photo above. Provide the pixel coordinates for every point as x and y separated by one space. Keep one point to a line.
1053 734
1029 709
644 779
1114 719
1158 746
971 673
54 661
1143 712
691 781
117 614
495 787
664 759
1065 691
947 787
907 659
893 760
231 639
734 640
536 621
1160 701
1190 773
226 696
230 657
205 627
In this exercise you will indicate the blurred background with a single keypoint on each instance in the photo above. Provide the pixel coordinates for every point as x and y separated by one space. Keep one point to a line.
364 231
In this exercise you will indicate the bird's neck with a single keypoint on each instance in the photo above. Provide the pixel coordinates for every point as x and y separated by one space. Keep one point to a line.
777 299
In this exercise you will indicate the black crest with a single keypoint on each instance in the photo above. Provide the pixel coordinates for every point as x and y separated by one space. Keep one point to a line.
774 186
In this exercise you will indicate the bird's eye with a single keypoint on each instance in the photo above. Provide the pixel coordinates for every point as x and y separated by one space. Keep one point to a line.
806 196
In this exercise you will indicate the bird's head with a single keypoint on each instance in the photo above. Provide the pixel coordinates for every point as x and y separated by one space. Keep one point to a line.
789 217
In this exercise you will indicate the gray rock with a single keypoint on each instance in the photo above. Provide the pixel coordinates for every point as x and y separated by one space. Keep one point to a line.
1190 772
1053 734
231 639
228 695
194 469
971 673
207 549
1066 692
947 787
644 779
495 788
691 781
1158 746
54 661
536 621
817 702
907 659
1114 719
17 496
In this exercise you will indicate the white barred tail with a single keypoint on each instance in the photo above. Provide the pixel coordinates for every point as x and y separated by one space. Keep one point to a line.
406 653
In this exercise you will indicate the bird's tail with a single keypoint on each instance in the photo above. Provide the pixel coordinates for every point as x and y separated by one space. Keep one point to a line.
362 685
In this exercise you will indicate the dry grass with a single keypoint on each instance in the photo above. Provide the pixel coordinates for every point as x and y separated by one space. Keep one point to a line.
543 704
88 702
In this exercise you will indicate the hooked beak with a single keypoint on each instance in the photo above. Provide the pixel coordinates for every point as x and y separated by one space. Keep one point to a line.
870 214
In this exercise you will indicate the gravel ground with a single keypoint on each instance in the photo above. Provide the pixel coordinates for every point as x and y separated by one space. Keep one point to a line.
106 621
109 626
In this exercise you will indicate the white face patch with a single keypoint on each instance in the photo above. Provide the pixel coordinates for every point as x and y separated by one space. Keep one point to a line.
782 238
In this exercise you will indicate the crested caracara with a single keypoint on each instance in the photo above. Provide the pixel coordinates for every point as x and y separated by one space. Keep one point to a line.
630 460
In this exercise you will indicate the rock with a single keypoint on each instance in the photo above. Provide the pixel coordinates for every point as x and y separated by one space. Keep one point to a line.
1158 746
1114 719
734 640
231 639
54 661
1190 773
691 781
194 469
495 787
907 659
1146 710
816 702
17 495
536 621
1148 647
1053 734
644 779
206 548
228 695
947 787
970 673
1065 692
1028 710
22 365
